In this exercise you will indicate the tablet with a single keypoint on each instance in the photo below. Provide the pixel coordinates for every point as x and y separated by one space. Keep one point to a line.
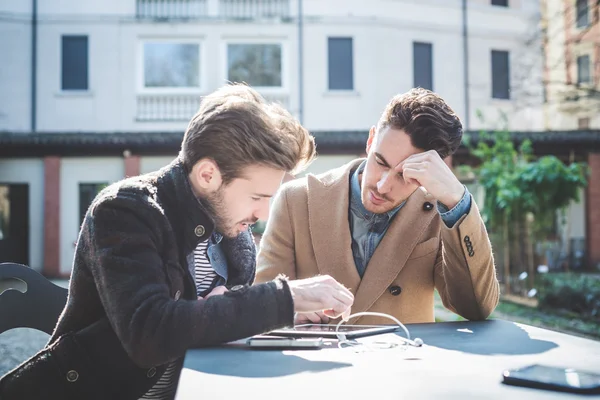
328 331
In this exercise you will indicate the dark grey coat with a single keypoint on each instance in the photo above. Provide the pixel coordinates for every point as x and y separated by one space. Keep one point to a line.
132 294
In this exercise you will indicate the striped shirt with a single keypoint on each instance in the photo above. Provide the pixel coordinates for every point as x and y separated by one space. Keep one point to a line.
204 272
204 275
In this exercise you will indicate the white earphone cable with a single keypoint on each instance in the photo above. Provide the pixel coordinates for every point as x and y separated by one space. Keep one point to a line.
417 342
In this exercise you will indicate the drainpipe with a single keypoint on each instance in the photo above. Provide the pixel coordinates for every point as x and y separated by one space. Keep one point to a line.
33 64
300 64
465 35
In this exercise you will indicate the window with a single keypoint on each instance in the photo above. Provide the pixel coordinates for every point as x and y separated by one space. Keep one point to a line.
74 63
583 123
340 61
171 65
582 16
501 3
257 64
423 65
87 194
500 75
14 223
583 70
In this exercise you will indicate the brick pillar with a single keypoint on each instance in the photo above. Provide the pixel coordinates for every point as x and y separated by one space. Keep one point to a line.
132 165
593 211
51 217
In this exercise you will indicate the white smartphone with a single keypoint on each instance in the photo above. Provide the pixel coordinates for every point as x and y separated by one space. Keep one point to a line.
279 343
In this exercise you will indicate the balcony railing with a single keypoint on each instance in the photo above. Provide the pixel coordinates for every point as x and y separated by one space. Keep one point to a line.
248 9
180 107
229 9
177 107
167 9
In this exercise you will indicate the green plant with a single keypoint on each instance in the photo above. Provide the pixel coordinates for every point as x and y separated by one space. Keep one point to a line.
549 185
575 293
522 192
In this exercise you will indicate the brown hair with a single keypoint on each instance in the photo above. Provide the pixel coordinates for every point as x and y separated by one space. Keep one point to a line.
426 118
236 128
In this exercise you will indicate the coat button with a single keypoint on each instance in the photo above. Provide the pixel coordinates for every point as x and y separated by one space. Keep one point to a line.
177 295
236 288
395 290
427 206
199 231
72 376
151 372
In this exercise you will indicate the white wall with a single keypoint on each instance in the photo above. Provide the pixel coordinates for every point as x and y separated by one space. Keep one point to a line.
115 65
20 9
31 172
319 165
85 9
154 163
383 33
15 72
74 171
325 163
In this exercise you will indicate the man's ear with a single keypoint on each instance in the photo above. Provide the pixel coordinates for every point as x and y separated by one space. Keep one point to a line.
371 138
206 176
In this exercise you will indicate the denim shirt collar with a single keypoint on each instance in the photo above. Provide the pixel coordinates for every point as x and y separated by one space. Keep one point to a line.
216 238
356 203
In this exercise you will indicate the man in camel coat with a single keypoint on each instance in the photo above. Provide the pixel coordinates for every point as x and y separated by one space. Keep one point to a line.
392 227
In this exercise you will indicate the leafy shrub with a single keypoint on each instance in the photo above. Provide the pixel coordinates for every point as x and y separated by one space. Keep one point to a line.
574 292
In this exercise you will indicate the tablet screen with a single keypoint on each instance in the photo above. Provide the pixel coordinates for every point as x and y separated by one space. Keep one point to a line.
328 331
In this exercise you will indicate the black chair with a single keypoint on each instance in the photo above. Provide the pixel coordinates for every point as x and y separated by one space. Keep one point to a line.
28 299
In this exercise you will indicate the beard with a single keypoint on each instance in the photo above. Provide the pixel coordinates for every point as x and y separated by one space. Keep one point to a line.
224 224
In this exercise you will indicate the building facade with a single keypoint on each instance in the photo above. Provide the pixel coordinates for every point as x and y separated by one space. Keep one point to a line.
572 64
100 91
571 44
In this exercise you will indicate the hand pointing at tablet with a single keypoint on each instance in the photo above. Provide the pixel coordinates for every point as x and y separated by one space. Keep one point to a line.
321 294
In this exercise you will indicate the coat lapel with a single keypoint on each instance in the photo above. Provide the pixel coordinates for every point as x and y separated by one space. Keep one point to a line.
328 201
394 249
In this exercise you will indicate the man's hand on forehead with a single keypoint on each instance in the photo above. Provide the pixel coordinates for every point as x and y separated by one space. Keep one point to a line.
427 169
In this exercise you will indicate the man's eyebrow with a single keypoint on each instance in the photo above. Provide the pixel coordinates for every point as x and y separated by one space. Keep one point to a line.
383 160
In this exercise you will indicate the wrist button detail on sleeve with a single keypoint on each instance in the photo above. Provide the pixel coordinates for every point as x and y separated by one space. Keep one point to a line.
469 245
151 372
177 295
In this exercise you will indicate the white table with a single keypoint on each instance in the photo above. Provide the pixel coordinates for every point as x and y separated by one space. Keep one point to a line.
460 360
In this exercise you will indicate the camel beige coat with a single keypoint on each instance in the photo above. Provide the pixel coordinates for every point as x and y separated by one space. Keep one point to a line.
309 234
